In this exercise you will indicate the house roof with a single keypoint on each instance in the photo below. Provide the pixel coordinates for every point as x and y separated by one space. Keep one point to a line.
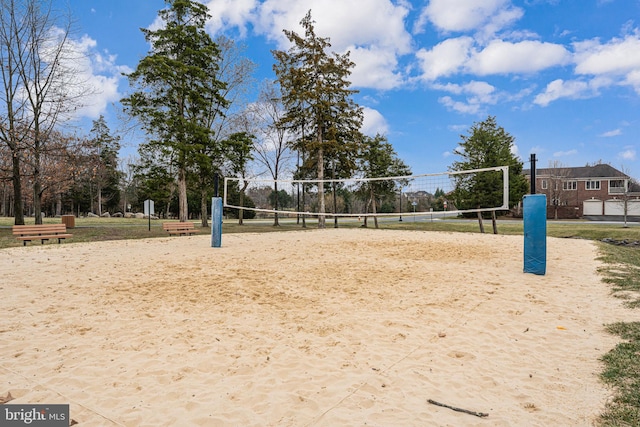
585 172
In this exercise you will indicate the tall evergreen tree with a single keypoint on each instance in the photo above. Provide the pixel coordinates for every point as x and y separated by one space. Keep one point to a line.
317 100
105 164
177 85
487 145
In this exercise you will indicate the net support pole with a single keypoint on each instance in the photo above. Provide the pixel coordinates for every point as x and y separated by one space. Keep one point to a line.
216 222
533 173
535 233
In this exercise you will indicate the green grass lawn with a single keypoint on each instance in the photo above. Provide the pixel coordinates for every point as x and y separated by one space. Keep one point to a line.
621 272
97 229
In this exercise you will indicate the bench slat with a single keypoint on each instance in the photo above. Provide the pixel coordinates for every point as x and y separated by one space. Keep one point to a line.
42 228
44 236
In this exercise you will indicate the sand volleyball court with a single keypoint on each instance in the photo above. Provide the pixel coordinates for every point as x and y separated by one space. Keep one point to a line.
336 327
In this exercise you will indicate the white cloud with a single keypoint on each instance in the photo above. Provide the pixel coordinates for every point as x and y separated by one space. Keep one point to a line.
374 123
515 150
457 128
572 89
227 14
470 15
461 55
459 106
618 56
446 58
374 22
618 59
477 94
503 19
611 133
633 79
565 153
537 149
93 77
529 56
629 154
374 30
479 89
557 89
375 68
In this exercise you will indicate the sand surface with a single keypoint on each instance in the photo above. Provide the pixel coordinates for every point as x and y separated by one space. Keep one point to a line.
328 327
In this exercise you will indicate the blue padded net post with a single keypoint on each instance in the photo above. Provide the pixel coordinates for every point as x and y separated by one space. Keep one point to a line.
535 233
216 222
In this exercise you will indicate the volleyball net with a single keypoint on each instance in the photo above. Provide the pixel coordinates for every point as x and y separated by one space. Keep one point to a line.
437 194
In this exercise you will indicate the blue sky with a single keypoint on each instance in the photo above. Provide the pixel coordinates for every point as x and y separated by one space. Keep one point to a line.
561 76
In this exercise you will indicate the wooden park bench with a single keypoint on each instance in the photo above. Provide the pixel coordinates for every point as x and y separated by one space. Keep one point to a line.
41 232
180 228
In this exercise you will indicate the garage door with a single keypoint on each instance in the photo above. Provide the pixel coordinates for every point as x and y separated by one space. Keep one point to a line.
614 207
633 207
592 207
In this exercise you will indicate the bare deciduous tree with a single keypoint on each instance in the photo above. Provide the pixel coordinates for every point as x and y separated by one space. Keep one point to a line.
40 86
272 145
557 190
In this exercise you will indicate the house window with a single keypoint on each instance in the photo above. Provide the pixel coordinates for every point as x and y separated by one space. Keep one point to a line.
592 185
544 184
616 186
570 185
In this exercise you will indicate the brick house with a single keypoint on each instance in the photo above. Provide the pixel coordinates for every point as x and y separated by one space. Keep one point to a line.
596 192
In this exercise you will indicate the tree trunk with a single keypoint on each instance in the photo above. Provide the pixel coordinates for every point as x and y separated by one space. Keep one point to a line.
277 197
335 209
304 202
99 193
183 215
37 185
480 222
37 199
298 203
365 223
58 204
335 197
204 203
241 211
91 201
18 206
494 222
373 209
124 202
320 168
